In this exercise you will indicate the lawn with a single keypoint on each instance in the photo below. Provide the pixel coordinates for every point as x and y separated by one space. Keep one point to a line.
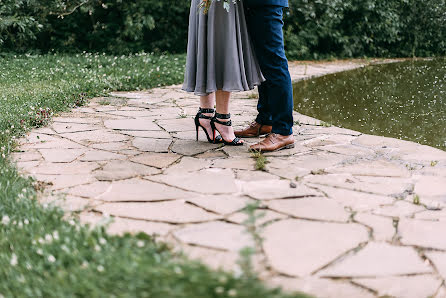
46 254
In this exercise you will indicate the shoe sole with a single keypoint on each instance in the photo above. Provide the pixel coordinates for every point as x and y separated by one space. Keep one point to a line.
290 146
251 137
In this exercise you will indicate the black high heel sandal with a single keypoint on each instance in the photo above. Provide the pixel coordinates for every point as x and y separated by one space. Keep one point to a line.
200 115
234 142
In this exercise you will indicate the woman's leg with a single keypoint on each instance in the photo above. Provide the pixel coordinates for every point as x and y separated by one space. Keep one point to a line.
222 99
207 102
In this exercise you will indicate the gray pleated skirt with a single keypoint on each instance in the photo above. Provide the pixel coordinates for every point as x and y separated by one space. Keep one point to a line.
219 52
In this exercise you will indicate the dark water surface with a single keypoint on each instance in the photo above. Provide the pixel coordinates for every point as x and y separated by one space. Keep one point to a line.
404 100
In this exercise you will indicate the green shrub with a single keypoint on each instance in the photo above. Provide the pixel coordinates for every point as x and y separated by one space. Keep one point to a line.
374 28
314 29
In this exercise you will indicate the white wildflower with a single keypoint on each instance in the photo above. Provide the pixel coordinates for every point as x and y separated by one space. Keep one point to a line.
14 260
5 220
219 290
100 268
51 259
56 235
102 241
48 238
140 243
232 293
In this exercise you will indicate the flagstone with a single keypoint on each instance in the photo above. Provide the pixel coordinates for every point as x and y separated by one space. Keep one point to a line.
54 143
291 173
133 190
315 208
215 259
430 186
273 189
69 203
326 140
404 286
299 248
175 212
92 190
321 287
130 152
373 185
399 209
27 166
191 135
160 134
181 124
119 170
62 128
265 217
132 124
441 292
239 163
357 201
245 175
157 160
402 149
382 227
348 149
237 151
216 234
31 155
332 130
190 148
311 162
76 120
211 155
211 181
96 136
379 259
136 113
64 181
439 261
100 155
422 233
438 215
373 168
61 155
188 164
152 145
221 204
73 168
120 226
113 146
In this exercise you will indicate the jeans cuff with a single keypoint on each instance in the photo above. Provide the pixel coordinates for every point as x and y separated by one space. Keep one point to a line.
262 121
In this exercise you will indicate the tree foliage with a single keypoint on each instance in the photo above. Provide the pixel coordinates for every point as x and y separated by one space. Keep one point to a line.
313 28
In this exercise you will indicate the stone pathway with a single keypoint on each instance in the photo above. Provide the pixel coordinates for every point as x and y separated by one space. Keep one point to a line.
346 214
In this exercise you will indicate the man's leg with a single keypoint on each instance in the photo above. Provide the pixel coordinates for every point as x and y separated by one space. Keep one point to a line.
264 117
276 100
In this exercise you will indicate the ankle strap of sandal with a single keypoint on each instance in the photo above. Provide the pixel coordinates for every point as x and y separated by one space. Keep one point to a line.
206 111
222 116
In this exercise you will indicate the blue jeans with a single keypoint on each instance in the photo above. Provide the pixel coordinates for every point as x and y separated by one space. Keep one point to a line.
275 106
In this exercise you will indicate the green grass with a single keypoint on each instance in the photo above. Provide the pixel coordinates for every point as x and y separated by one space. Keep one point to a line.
43 253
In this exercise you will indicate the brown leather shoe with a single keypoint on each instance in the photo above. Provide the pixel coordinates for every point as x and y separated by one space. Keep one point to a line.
274 142
254 130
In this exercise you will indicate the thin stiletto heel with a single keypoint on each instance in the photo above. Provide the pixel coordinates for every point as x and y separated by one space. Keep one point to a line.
200 115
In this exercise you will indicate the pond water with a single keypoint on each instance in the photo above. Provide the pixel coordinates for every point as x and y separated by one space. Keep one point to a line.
405 100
